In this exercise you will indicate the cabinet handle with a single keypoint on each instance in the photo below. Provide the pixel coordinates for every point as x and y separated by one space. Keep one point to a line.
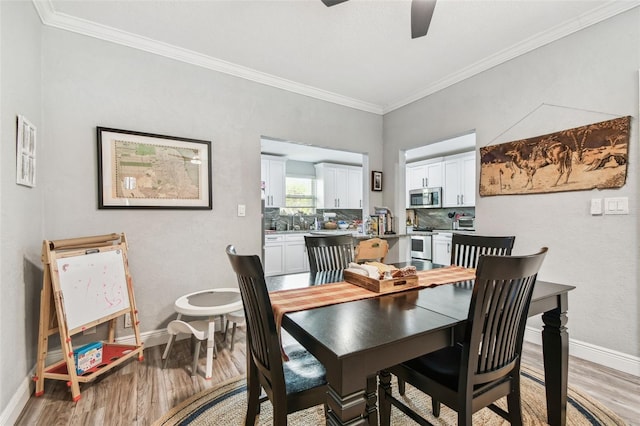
461 198
448 247
426 182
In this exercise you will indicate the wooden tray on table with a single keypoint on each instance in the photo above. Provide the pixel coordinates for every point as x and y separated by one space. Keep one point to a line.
381 286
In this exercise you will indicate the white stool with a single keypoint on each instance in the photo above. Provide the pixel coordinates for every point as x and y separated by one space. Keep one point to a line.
237 318
198 329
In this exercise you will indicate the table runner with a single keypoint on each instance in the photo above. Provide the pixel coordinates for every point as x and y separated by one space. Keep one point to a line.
301 299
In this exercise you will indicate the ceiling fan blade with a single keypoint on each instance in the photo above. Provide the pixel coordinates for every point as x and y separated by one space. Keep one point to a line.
330 3
421 13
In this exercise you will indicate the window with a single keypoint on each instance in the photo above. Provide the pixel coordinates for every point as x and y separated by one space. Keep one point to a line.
300 196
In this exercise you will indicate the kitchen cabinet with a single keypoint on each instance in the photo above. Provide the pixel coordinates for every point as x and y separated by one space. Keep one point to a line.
285 254
424 174
441 250
459 187
274 255
273 174
295 256
338 186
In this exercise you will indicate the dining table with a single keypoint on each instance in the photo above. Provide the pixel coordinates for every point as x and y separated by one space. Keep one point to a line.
357 339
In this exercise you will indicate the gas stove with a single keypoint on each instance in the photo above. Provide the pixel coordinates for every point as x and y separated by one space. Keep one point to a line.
423 229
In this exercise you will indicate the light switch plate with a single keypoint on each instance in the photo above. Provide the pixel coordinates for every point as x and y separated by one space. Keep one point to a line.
618 205
596 206
242 210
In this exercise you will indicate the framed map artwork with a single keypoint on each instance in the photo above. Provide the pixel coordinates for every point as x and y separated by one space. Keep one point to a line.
147 171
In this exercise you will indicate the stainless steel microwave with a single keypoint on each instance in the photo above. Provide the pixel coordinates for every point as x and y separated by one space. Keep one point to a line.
429 198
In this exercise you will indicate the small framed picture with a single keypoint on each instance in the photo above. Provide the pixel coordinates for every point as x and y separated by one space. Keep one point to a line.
26 153
376 181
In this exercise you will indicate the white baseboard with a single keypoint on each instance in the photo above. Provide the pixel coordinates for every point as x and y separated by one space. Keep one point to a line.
607 357
20 397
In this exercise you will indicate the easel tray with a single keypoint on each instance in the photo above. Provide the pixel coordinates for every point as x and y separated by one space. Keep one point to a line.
381 286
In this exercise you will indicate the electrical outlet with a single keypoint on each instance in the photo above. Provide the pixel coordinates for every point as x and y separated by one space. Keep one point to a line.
127 320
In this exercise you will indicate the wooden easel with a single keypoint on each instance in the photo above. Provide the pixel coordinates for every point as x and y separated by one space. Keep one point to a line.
54 316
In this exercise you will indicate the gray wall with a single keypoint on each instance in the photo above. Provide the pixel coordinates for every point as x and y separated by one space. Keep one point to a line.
21 223
89 83
596 70
68 84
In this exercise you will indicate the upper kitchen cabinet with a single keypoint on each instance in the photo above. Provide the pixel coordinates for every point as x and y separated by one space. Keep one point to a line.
459 187
338 186
273 173
424 174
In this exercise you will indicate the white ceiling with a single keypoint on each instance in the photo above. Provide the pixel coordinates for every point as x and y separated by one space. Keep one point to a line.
358 53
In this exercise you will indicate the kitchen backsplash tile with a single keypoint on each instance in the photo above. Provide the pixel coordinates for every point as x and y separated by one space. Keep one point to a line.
438 218
276 220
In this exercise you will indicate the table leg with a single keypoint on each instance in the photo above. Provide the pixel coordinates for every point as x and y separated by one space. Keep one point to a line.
346 410
371 395
210 346
555 349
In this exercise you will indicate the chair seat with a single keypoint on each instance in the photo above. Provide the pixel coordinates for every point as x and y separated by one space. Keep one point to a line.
198 328
442 365
303 371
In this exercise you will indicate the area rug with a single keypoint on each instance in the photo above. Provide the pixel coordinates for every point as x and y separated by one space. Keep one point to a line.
225 404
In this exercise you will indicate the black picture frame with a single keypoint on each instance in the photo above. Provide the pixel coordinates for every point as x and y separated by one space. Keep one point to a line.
138 170
376 181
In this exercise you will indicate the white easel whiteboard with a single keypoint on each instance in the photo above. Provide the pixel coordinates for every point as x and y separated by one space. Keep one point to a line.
93 286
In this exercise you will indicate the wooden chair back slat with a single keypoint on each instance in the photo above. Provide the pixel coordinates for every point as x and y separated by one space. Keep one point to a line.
331 252
467 249
262 336
498 311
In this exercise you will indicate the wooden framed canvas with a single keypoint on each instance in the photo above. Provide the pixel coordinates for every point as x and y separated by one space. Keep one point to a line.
581 158
149 171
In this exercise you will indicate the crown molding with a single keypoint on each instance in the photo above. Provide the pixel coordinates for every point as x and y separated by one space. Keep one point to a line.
583 21
54 19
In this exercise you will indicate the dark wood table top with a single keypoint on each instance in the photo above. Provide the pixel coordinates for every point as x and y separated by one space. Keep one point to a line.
368 335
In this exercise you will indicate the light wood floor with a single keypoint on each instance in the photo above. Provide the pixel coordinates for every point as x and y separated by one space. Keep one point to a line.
140 392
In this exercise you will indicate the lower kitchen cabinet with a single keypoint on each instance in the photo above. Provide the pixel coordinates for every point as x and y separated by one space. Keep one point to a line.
441 249
295 254
285 254
274 255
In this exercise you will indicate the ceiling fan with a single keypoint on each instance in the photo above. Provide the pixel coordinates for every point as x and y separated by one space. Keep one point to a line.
421 13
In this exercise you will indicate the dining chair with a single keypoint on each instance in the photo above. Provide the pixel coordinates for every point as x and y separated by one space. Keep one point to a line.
485 365
291 386
467 249
373 249
329 252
